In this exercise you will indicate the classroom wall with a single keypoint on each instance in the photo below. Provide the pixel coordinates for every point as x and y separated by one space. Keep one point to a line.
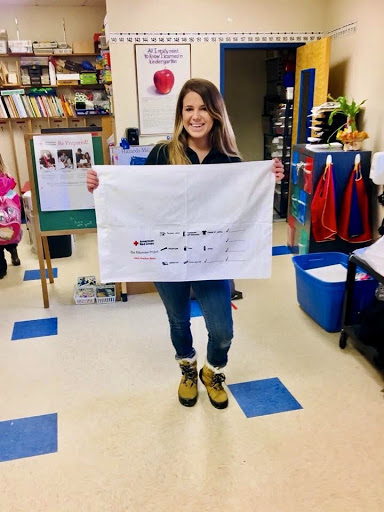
44 24
357 68
245 88
182 16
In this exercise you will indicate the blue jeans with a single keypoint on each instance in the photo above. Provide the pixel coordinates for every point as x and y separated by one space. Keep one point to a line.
214 298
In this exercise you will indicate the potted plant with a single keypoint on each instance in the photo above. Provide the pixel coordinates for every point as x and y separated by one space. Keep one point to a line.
348 133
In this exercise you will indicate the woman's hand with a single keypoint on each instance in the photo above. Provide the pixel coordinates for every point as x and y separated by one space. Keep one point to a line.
278 169
92 180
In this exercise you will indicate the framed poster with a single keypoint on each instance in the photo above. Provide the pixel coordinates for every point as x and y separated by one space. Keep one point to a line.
161 71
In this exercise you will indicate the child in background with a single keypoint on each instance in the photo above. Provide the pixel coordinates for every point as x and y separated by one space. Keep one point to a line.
10 219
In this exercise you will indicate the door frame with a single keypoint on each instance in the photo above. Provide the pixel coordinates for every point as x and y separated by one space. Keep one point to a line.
248 46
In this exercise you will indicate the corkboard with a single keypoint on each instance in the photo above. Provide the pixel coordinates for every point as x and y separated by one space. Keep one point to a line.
312 56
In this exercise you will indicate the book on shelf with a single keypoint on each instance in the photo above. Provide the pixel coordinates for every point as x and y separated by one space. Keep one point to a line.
18 105
35 107
3 112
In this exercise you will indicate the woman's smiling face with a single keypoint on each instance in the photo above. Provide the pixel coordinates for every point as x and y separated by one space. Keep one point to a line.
197 121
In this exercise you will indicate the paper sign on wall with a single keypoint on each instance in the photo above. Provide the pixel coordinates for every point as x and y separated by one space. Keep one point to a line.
161 72
185 223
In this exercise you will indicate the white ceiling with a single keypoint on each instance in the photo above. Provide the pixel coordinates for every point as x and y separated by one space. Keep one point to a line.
55 3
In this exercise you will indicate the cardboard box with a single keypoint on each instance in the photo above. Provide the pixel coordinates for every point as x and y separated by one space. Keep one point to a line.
88 78
83 47
139 288
42 51
67 76
67 82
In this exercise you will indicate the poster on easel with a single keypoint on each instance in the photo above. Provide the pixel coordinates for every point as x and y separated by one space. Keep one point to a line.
161 71
61 167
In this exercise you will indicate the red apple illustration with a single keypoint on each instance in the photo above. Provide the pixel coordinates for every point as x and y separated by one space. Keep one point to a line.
164 80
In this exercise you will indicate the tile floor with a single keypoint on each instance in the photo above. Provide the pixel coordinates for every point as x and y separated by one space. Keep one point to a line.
90 420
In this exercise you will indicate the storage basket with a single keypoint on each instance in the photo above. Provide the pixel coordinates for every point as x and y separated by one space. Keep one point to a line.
323 301
84 294
105 294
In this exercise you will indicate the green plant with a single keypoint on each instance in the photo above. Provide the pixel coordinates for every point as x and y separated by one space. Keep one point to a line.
348 109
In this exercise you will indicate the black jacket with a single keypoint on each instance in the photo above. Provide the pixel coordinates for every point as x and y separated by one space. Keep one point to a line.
159 156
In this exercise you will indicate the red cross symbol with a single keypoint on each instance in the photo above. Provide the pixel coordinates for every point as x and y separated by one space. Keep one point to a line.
136 243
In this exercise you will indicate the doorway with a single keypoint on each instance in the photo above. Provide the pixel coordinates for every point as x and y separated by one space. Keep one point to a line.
254 83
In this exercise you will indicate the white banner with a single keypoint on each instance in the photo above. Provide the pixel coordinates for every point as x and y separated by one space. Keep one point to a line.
184 223
61 167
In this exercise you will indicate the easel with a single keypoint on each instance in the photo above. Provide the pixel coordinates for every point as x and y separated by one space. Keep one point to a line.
62 223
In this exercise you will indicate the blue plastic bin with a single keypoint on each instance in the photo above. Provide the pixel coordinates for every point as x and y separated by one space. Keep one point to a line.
323 301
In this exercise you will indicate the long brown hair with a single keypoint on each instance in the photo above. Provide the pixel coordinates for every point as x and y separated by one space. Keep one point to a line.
222 136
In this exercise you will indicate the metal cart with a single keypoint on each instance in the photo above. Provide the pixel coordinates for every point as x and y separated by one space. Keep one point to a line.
349 329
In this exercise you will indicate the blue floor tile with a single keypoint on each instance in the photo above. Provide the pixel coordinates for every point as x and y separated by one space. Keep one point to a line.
279 250
262 397
30 275
28 437
195 309
34 328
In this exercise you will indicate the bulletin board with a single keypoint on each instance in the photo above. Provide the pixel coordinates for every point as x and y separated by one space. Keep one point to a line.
55 223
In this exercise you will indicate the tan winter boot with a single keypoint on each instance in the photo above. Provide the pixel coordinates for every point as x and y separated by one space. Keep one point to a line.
188 384
213 380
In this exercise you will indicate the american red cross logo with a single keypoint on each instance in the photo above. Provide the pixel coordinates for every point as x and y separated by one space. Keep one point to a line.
136 243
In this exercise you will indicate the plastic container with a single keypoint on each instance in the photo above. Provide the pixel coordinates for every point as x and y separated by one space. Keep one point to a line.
85 290
84 294
16 46
105 294
3 41
323 301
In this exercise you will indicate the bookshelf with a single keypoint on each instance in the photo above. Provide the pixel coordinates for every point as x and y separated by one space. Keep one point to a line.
80 86
24 111
56 72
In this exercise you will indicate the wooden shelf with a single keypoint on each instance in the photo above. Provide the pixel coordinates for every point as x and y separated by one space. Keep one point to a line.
51 117
11 86
79 86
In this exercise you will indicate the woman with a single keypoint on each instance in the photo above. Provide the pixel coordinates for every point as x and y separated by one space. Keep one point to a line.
87 157
202 135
